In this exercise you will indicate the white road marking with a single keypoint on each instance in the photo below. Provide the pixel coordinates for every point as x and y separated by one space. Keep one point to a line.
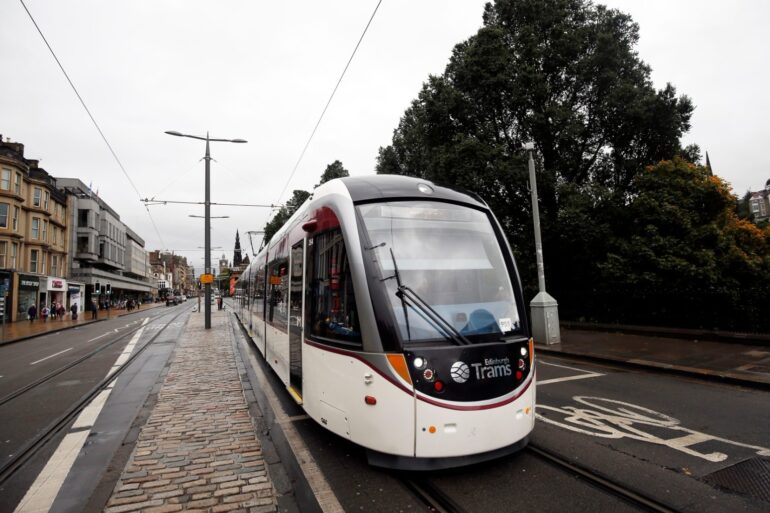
609 418
100 336
40 496
47 357
585 374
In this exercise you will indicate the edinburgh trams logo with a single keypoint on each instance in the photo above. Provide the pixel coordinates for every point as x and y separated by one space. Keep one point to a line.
460 372
491 368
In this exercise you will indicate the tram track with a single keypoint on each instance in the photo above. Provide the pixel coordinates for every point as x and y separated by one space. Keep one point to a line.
438 500
49 376
609 486
25 452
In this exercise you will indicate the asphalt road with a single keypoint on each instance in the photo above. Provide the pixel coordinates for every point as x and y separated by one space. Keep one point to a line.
662 436
27 415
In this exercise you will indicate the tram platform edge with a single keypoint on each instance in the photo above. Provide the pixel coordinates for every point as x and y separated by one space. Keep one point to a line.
717 361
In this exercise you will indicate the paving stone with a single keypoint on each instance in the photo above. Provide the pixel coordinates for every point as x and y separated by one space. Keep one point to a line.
198 450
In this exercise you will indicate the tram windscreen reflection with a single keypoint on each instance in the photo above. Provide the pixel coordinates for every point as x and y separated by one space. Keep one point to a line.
450 257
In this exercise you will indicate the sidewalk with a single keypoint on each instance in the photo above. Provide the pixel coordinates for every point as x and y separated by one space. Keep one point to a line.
22 330
199 450
720 361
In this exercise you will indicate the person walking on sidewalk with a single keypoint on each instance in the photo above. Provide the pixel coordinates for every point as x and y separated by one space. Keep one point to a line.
53 310
74 309
32 312
94 310
44 312
60 311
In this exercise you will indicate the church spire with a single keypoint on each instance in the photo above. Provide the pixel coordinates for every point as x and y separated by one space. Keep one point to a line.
237 252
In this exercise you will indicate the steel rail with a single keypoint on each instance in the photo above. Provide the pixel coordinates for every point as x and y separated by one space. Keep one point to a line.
30 448
432 496
612 487
26 388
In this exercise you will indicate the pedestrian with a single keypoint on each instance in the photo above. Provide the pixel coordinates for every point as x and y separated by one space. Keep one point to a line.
44 312
94 311
74 309
32 312
52 310
60 311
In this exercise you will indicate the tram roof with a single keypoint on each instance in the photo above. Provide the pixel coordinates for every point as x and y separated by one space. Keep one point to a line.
381 187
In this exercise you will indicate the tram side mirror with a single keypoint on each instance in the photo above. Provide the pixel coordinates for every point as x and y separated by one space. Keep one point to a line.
310 226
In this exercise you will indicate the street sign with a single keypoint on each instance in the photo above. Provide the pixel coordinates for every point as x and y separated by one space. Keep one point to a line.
207 278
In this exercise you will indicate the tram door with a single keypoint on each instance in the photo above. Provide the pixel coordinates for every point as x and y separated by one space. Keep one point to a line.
296 316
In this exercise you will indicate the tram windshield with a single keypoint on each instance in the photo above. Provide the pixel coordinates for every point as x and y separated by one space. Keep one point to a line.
450 260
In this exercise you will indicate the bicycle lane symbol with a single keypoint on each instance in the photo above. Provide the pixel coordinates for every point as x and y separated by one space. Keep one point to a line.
609 418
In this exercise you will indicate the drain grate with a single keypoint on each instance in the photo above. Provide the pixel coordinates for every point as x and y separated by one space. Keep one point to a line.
749 477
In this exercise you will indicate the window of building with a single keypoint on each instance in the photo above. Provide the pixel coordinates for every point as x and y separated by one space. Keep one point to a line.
46 198
16 219
34 254
5 179
43 258
82 218
101 249
44 235
17 185
54 265
35 228
4 215
3 253
36 198
330 295
14 252
83 245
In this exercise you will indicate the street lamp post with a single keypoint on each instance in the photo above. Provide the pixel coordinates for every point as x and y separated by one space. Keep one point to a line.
544 308
207 204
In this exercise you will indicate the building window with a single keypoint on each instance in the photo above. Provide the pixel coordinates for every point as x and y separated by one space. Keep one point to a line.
3 215
43 258
14 252
82 218
33 257
83 245
46 198
36 197
44 237
54 265
17 185
35 228
3 252
5 179
16 219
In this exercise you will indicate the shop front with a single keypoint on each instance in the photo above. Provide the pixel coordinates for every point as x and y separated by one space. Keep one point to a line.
76 295
53 290
6 292
29 287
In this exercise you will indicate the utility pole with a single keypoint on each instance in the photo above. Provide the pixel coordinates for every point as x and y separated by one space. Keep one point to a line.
544 308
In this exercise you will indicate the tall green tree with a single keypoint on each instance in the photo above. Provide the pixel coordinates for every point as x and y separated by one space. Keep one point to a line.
332 171
564 74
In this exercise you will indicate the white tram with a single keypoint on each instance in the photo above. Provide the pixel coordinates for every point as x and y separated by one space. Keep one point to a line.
392 310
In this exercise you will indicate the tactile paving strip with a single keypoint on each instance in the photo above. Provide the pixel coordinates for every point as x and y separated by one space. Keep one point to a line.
749 477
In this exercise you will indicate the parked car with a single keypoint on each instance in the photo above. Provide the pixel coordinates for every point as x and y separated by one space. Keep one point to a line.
171 301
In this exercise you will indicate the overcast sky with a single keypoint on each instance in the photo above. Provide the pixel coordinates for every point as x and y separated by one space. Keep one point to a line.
263 71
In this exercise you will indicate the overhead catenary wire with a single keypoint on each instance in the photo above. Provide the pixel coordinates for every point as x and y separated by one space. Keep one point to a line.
93 120
320 118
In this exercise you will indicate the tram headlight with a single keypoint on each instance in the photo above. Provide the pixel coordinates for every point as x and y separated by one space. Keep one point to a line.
419 362
523 351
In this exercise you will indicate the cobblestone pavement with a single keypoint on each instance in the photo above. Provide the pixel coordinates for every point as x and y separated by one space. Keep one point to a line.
198 450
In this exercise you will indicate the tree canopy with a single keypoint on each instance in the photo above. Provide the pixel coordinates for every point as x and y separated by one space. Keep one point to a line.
565 74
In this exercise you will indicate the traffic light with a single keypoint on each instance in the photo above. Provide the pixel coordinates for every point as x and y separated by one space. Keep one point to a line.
97 288
108 289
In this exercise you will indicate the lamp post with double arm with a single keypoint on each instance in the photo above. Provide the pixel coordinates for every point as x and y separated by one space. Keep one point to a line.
207 229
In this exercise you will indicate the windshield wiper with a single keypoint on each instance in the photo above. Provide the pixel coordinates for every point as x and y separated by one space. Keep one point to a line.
405 293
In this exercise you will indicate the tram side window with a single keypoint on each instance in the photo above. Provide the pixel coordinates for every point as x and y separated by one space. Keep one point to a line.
259 292
278 287
333 312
